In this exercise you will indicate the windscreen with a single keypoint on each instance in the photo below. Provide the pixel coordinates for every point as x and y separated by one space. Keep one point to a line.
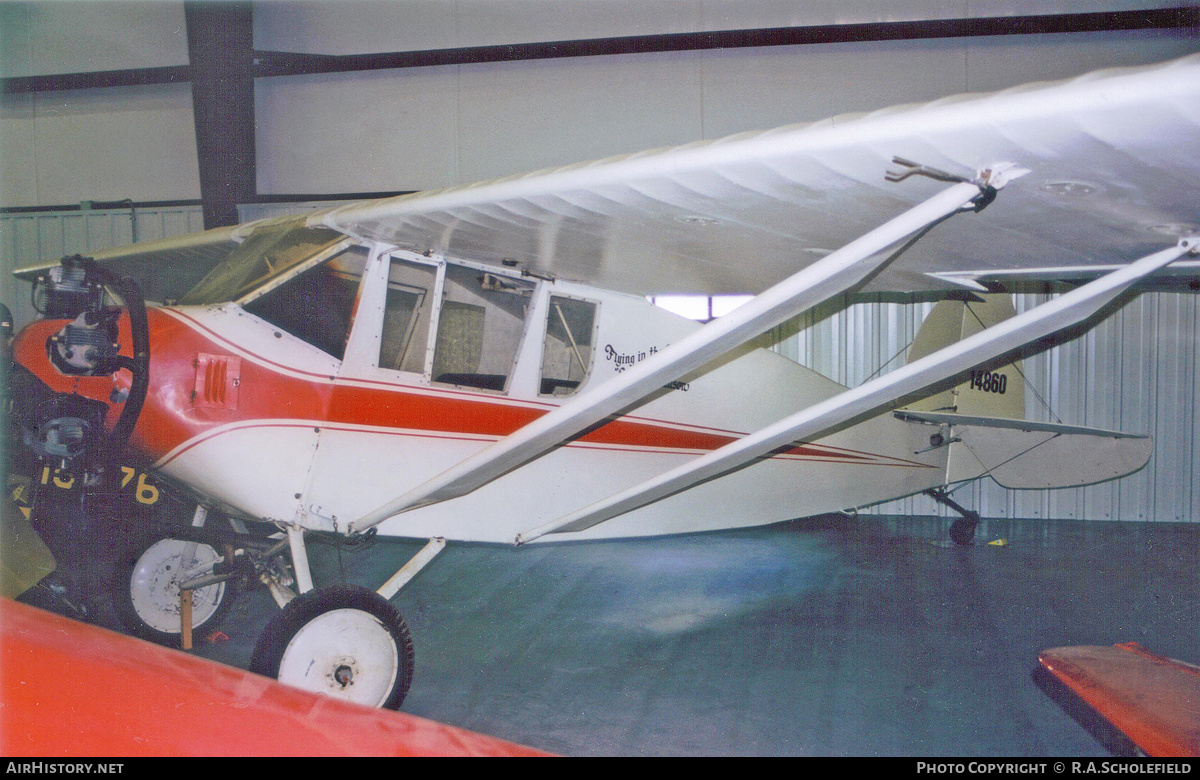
269 251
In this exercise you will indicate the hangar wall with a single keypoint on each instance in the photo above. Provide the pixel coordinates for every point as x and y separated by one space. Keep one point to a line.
419 128
424 128
28 237
58 148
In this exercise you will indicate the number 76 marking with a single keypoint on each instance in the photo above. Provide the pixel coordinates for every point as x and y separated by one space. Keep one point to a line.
146 493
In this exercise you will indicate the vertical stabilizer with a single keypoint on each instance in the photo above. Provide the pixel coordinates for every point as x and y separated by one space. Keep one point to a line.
999 393
996 393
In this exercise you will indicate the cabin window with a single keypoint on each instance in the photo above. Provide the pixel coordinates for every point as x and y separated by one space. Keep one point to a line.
317 305
567 349
406 317
479 328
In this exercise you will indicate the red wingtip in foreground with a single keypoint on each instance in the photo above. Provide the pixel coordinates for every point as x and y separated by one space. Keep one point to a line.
70 689
1155 701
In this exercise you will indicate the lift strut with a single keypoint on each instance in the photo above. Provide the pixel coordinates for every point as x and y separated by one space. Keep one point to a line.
822 418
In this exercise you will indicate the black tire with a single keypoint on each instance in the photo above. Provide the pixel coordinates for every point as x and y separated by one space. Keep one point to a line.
962 531
145 592
292 647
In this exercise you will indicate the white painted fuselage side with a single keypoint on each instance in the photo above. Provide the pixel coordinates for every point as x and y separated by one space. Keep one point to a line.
324 474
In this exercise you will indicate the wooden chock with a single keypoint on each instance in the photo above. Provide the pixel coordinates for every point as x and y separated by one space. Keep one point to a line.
185 619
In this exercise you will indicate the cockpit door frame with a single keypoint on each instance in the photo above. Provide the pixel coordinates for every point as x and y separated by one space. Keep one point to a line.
366 333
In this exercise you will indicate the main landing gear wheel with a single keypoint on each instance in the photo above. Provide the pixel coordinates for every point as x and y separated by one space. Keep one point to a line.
146 589
343 641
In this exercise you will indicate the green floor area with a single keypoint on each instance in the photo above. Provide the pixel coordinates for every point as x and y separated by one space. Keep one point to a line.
833 636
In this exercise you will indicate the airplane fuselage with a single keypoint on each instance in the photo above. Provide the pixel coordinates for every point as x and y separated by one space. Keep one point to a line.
271 427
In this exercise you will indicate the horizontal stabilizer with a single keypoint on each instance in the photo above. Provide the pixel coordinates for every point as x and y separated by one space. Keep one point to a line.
1182 276
1023 454
943 418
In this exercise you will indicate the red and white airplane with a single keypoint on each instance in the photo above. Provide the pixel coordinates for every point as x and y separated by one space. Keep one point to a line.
481 364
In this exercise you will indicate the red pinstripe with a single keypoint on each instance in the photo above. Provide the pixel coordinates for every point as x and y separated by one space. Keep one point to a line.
271 391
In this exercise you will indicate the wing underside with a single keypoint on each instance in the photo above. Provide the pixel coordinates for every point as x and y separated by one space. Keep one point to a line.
1153 700
1115 161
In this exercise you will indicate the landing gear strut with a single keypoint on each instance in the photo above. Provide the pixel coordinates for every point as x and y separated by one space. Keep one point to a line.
962 530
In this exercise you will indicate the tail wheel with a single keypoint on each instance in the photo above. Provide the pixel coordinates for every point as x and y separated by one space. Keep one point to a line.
962 530
342 641
146 589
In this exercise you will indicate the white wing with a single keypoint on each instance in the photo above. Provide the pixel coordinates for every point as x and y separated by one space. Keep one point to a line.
1114 155
167 268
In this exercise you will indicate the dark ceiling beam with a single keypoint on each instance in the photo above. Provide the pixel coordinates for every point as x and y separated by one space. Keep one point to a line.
220 48
131 77
274 63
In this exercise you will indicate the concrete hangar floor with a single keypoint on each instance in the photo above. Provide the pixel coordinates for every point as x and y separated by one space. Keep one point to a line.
829 636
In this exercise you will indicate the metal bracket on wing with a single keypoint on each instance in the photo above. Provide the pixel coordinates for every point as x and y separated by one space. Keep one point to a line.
819 419
833 274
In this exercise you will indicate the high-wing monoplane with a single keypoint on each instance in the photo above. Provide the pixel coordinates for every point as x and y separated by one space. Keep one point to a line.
481 364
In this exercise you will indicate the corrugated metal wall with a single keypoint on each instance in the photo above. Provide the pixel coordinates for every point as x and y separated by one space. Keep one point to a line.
27 238
30 237
1138 371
